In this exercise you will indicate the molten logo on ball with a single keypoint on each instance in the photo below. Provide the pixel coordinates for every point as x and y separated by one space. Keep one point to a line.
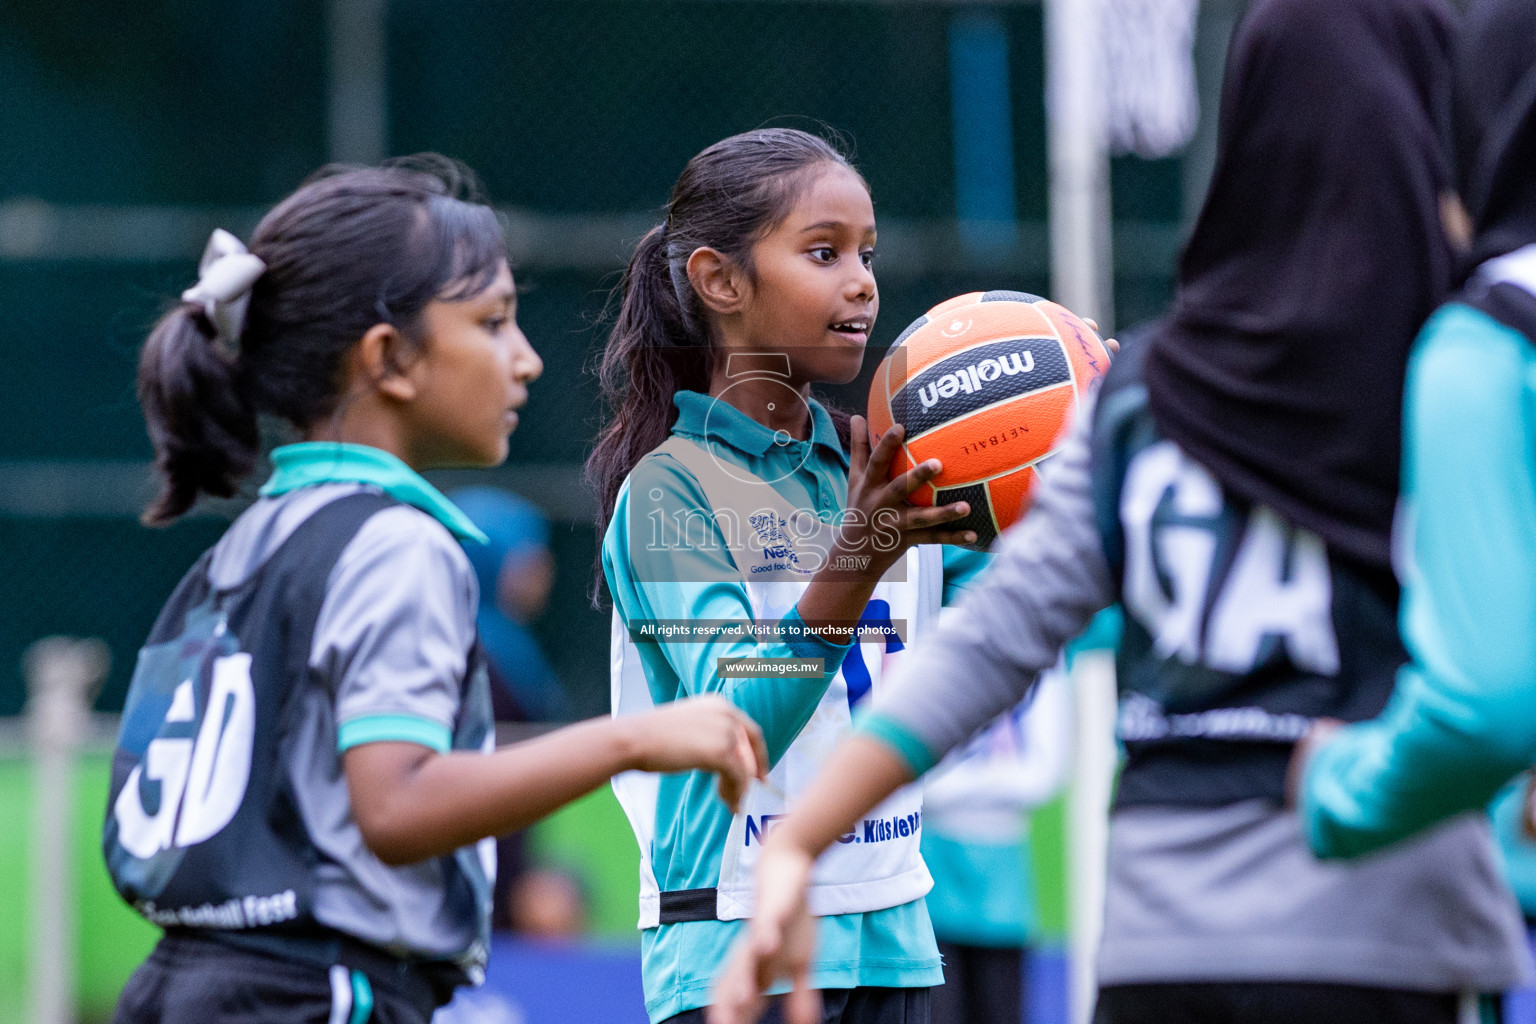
984 383
973 377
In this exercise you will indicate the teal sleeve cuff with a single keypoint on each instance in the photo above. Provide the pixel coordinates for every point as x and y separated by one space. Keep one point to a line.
962 569
803 644
1102 634
893 734
1340 816
393 729
1309 808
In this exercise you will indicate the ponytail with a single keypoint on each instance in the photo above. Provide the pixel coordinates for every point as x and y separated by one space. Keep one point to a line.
656 349
200 419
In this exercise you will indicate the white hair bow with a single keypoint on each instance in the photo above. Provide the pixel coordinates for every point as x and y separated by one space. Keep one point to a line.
225 276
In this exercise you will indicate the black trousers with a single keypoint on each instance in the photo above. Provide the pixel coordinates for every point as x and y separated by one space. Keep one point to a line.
189 980
849 1006
982 985
1271 1003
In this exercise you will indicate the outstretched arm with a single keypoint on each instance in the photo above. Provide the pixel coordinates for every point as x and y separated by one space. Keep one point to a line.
412 802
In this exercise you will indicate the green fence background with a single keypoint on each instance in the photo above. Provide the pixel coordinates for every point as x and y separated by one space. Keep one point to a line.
132 130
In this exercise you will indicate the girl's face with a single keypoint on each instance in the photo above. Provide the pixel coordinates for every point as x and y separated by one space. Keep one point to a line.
813 291
472 374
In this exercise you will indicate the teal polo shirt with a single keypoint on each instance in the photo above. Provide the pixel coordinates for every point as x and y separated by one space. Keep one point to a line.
891 948
983 893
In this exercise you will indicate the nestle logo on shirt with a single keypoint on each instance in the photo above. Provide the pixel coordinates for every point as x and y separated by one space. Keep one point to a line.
778 550
757 827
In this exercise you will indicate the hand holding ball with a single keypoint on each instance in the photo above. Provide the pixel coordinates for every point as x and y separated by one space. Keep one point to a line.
985 383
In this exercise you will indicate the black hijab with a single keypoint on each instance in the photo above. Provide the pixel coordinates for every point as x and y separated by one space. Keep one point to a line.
1317 255
1494 135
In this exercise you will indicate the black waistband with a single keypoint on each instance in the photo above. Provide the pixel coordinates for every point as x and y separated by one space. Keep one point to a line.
1202 773
425 985
688 905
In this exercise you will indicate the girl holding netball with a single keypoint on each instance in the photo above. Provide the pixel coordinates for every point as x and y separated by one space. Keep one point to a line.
305 767
1233 488
755 548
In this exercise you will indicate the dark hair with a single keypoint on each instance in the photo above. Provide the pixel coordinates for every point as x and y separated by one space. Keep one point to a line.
353 247
727 198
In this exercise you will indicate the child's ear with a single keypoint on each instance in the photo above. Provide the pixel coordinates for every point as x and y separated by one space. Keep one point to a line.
382 360
717 280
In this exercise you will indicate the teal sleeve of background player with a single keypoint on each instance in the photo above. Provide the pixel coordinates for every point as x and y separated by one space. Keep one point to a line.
1102 634
962 568
983 893
916 755
1462 719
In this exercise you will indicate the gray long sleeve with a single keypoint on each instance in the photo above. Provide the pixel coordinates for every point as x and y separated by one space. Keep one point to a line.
1046 582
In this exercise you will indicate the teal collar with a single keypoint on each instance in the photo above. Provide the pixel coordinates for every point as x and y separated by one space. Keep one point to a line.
705 418
334 462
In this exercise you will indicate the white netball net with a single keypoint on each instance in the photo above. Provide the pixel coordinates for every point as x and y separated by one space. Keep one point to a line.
1150 102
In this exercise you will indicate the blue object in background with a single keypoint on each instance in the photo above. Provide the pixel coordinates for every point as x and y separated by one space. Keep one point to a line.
982 115
1520 1005
1046 999
545 983
516 531
529 982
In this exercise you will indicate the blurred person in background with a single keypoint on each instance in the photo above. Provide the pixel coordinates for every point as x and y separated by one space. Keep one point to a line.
549 904
1234 487
1462 718
976 807
516 571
